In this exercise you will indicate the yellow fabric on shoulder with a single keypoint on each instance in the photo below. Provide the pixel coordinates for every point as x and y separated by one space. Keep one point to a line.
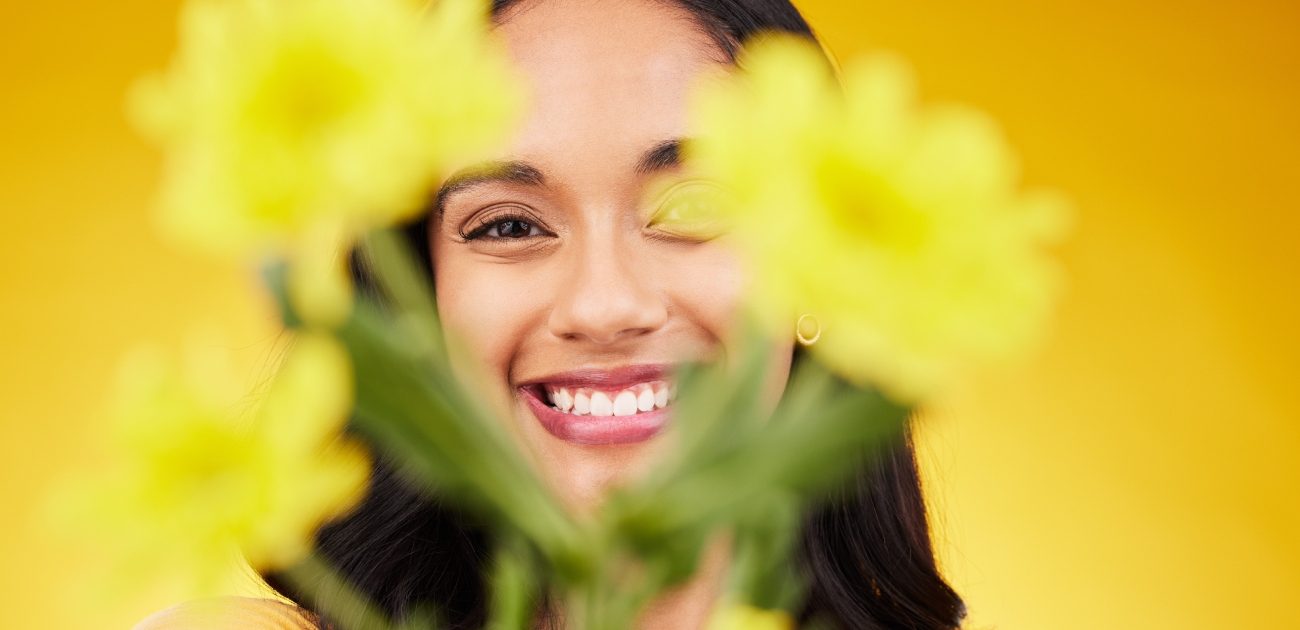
250 613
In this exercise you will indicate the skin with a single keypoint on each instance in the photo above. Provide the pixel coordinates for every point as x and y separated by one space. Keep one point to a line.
596 280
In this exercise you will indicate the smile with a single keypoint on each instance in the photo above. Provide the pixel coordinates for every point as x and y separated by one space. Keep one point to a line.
628 401
619 406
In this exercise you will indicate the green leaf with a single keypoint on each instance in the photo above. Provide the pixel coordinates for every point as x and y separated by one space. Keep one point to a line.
514 584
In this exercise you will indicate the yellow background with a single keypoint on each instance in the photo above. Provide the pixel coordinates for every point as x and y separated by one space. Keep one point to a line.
1138 473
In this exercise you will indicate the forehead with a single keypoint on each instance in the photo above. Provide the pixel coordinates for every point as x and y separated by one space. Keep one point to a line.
605 78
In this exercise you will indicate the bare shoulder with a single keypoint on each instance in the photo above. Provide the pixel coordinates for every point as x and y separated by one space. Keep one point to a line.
229 612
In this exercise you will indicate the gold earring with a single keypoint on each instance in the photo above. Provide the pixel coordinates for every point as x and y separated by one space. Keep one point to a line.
807 330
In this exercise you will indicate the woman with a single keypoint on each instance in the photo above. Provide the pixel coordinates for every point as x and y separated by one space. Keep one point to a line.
569 290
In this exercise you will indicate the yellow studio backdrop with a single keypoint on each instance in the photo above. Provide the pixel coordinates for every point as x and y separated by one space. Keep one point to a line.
1139 472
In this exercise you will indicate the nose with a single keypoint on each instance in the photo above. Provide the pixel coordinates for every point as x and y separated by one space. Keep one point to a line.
609 296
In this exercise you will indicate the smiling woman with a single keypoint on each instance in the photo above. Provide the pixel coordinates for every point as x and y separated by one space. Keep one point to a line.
573 274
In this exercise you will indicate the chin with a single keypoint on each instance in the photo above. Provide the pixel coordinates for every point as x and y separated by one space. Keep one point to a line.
589 458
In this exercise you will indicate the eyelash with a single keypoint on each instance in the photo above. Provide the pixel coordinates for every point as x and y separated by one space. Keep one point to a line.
660 227
481 231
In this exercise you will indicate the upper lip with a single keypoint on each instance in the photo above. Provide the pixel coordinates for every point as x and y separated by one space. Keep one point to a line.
612 378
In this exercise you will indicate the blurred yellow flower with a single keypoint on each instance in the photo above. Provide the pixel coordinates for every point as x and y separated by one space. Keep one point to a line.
903 230
192 488
745 617
290 126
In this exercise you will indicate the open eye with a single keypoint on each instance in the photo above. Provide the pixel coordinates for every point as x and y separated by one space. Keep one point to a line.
506 226
690 211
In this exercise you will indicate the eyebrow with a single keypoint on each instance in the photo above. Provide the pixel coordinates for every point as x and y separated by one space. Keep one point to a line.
661 157
511 171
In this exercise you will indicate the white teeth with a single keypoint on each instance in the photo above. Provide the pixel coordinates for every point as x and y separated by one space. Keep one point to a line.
625 403
561 398
636 399
645 401
601 404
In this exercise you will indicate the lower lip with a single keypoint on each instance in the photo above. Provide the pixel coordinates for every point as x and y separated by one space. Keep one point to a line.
637 427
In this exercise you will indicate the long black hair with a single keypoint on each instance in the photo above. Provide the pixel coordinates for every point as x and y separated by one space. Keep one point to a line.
866 553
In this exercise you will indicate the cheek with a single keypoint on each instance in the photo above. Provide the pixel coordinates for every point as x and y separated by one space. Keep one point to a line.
485 311
710 283
707 282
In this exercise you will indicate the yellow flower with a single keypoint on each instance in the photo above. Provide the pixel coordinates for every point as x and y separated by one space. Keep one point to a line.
745 617
903 230
192 488
289 126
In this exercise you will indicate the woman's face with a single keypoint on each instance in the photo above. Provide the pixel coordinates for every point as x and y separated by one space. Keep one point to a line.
561 271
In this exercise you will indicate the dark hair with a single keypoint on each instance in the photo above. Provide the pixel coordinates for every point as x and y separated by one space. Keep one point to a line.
866 552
